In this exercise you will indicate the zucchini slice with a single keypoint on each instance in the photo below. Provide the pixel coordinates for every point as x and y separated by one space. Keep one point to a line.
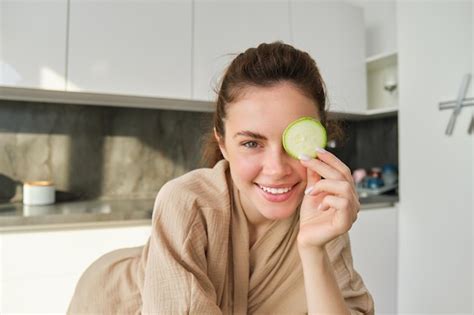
303 136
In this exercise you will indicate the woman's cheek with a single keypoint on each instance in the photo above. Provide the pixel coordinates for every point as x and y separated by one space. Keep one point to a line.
248 167
301 170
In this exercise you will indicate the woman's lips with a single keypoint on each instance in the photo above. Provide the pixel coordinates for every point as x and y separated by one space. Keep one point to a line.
276 197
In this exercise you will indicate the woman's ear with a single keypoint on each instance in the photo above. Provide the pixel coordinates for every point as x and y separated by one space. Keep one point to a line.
221 144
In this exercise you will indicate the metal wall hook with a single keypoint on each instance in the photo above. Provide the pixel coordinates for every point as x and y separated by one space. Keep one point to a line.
452 104
470 130
459 103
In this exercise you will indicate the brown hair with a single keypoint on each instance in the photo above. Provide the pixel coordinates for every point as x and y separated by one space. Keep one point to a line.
265 66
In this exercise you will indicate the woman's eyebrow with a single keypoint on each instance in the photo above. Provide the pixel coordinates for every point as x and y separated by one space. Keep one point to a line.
247 133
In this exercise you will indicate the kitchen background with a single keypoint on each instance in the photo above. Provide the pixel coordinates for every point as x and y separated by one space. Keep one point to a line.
98 152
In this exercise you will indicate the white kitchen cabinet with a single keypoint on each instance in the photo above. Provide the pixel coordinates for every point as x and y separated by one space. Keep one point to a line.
33 43
222 29
382 57
131 47
374 242
40 270
380 27
333 34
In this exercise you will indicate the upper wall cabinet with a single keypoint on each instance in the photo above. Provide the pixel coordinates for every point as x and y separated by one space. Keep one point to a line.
33 43
223 29
333 34
131 47
381 27
174 49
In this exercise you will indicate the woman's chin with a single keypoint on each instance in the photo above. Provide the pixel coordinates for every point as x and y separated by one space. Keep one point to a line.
278 213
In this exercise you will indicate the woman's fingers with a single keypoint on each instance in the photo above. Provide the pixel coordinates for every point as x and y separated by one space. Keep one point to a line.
337 187
340 204
338 183
333 161
329 166
312 177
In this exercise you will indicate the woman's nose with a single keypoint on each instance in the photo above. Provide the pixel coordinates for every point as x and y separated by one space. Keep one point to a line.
277 163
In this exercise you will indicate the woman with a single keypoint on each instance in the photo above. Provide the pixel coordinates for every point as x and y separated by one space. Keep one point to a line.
257 232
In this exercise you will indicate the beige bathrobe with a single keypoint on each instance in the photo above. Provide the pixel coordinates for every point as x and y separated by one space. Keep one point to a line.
198 260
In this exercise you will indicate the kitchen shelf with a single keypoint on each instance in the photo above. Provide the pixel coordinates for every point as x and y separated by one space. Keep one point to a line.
382 72
101 99
381 61
131 101
369 114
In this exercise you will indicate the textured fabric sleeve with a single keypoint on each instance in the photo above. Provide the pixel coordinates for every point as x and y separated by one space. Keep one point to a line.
175 279
353 289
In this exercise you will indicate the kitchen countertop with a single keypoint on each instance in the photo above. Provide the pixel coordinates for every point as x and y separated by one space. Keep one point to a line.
378 201
85 213
16 217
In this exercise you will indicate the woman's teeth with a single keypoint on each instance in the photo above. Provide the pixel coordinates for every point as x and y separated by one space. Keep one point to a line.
275 191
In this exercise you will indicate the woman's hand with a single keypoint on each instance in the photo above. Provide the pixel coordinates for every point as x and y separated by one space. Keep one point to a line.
331 205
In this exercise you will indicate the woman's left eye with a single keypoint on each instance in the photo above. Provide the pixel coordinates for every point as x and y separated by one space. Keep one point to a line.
250 144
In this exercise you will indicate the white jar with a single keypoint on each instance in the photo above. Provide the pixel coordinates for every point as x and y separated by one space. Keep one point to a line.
38 193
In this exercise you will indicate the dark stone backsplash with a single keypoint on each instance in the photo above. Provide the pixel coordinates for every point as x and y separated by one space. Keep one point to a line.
369 143
111 152
97 152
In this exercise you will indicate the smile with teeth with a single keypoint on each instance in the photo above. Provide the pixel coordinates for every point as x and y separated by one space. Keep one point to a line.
275 191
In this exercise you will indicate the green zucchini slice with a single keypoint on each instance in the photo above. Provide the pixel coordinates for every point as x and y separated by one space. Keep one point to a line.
303 136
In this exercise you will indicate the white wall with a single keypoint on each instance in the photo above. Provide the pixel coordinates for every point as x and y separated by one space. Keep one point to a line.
380 25
472 121
436 170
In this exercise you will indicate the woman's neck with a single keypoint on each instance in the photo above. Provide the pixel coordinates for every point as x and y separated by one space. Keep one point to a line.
256 222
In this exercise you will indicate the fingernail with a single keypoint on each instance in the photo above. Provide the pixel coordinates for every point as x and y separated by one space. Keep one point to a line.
320 150
304 157
308 190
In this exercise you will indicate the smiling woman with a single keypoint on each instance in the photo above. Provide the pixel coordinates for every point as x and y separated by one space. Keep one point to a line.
258 231
262 170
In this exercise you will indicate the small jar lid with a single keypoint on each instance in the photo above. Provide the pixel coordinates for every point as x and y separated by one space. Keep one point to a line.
38 183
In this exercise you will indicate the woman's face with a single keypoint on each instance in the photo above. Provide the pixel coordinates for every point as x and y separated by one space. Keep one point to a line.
271 183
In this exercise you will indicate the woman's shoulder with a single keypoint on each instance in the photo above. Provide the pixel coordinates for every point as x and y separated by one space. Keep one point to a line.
201 183
201 189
